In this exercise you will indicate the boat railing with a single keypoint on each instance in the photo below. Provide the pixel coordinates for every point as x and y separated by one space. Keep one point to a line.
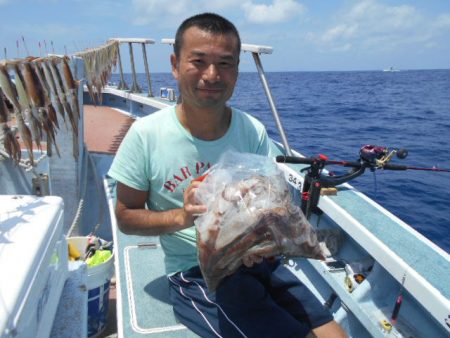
256 50
135 88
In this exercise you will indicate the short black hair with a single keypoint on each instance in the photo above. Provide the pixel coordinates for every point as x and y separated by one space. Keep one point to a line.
209 22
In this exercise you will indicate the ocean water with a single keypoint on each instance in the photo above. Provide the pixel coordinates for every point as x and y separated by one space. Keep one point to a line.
336 113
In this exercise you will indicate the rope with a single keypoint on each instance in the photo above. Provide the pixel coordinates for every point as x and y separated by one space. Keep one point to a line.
100 197
25 164
76 219
28 166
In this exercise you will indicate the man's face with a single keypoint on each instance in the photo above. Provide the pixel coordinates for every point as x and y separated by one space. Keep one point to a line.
207 68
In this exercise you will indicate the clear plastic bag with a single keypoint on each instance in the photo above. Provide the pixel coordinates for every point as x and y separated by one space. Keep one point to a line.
250 212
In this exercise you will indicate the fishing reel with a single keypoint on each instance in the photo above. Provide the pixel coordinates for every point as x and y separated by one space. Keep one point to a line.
377 157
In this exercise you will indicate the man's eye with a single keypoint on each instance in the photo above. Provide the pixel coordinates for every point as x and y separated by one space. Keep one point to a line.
225 64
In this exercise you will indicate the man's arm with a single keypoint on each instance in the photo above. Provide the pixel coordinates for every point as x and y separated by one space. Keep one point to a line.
134 219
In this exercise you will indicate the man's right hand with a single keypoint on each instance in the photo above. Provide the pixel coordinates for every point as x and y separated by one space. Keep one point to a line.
191 207
134 218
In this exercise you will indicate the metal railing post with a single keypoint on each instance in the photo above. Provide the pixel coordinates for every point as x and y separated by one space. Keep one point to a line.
147 72
276 116
135 87
122 84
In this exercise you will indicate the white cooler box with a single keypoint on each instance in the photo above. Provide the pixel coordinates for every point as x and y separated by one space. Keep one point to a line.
33 264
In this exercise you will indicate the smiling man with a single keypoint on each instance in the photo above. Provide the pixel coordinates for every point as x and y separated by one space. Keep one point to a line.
155 167
206 68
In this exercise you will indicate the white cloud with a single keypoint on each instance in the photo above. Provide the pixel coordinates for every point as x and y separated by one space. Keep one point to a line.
375 16
443 21
342 48
340 31
172 13
150 11
278 11
374 26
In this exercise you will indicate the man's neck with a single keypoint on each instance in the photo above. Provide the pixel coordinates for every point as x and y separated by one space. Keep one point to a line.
207 124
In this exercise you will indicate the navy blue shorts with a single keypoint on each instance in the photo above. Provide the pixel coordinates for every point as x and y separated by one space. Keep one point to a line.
266 300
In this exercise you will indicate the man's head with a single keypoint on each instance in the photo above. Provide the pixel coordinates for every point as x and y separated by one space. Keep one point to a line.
206 61
208 22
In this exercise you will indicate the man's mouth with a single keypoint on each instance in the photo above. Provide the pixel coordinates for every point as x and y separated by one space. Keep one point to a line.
210 89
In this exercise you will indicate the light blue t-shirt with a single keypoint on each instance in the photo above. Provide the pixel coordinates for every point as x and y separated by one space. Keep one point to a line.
160 156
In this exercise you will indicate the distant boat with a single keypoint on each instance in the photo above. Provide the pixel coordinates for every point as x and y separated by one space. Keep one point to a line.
391 69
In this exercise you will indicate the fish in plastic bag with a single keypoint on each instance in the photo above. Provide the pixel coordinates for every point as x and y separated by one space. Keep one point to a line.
250 212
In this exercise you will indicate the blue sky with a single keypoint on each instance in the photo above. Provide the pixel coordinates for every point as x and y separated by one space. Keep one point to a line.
306 35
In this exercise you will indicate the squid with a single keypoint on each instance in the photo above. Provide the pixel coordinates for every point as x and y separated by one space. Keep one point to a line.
249 216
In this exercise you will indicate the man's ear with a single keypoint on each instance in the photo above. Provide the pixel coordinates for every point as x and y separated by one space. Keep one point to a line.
174 63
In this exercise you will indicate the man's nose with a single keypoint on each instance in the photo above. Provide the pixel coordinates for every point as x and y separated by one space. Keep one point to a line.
211 73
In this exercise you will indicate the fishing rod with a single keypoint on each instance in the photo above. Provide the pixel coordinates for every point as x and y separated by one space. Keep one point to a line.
370 157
